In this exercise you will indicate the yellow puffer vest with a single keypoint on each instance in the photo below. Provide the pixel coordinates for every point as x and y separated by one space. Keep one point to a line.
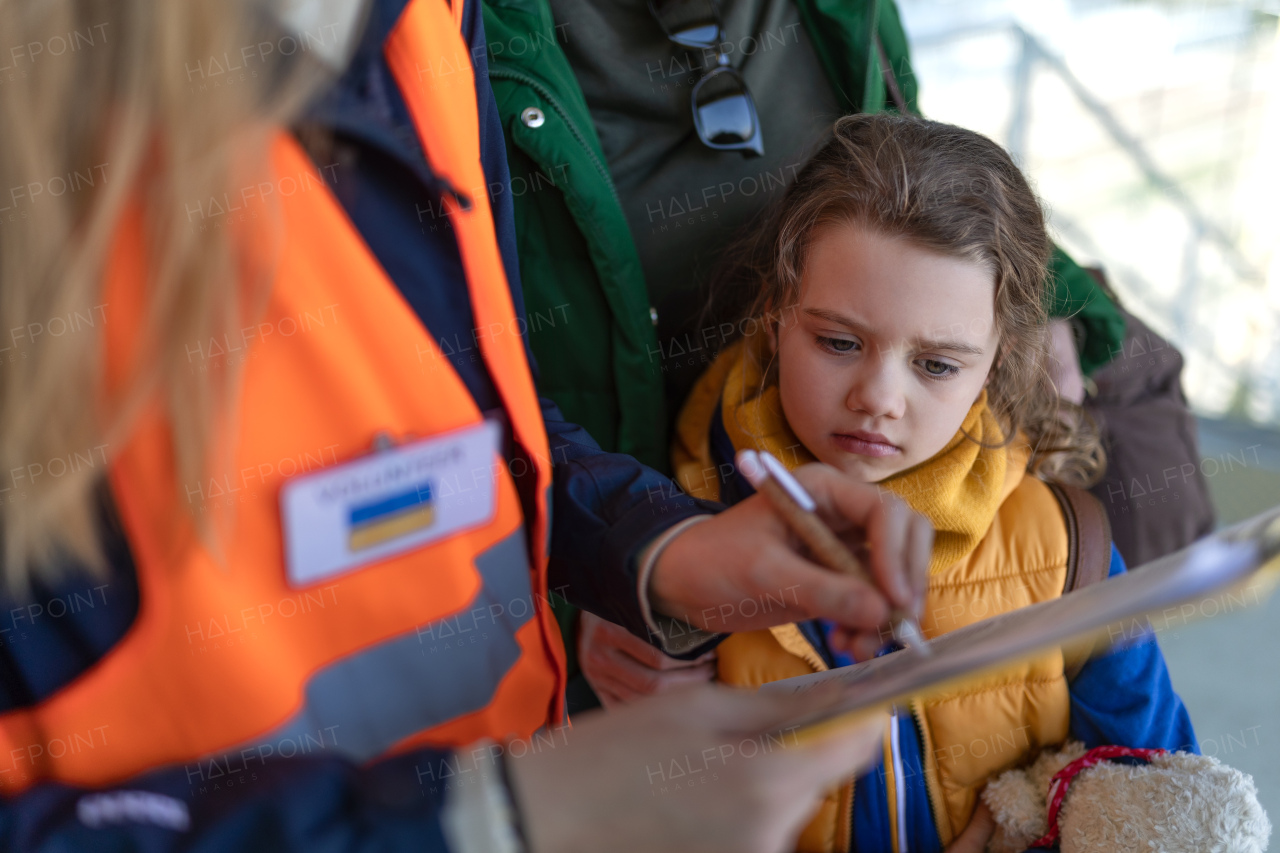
979 728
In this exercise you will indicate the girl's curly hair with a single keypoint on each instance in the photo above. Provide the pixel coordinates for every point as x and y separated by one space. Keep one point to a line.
947 190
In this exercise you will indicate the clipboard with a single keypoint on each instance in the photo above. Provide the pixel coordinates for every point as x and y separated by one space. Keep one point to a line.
1241 563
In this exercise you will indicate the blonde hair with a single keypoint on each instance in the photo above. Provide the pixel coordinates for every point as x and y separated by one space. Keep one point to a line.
120 103
947 190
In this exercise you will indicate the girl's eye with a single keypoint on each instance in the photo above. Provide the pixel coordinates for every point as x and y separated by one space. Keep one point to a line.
837 344
939 369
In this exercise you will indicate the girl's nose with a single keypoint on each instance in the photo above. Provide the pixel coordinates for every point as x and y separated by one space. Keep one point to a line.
876 391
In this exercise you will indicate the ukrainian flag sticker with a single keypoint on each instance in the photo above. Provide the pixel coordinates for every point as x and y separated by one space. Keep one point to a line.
390 518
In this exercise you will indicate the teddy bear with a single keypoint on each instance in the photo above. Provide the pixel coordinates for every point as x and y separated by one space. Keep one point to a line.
1117 800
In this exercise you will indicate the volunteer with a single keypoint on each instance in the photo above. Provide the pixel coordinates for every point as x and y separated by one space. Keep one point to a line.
276 570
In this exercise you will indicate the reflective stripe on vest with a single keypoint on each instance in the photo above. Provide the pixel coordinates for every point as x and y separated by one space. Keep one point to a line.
443 645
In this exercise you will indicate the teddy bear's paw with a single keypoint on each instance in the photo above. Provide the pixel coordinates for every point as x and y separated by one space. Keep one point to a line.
1018 809
1017 799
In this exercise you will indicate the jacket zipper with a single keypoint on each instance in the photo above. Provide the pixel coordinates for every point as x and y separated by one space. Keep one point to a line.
853 792
937 806
546 95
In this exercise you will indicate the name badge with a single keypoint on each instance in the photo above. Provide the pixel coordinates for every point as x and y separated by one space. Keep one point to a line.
388 502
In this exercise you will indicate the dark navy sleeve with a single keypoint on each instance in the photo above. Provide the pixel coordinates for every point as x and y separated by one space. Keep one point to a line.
606 507
287 806
493 158
1125 697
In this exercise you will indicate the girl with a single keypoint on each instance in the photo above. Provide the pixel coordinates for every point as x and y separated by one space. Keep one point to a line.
896 330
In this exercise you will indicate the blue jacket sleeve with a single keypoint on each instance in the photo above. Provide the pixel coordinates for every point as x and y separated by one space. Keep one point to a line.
296 804
1125 697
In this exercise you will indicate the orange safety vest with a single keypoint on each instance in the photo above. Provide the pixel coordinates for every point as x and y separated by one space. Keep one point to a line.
227 664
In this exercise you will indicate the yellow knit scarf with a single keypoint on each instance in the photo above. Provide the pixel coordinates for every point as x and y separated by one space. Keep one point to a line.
959 489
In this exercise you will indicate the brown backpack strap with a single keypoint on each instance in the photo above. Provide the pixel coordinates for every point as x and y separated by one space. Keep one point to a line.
1088 536
1088 548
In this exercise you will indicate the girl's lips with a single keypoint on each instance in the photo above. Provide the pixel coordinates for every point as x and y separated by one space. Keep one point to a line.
865 444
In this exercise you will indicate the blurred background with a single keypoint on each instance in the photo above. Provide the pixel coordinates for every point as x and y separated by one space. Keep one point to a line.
1152 131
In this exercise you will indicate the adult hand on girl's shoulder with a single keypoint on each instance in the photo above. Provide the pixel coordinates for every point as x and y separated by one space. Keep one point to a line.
705 768
745 570
621 667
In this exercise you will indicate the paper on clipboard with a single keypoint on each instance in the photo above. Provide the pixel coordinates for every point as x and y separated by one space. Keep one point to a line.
1225 559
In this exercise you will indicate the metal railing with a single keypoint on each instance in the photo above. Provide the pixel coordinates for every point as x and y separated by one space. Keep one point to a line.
1174 311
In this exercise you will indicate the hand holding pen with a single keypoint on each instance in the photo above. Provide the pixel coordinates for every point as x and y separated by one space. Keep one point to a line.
744 569
771 478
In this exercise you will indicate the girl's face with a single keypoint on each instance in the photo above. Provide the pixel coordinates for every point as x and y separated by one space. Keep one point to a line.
886 351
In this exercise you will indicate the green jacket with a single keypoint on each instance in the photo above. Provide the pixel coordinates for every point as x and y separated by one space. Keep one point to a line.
579 265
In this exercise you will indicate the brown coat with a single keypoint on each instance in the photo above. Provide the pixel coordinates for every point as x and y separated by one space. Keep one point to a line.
1153 490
